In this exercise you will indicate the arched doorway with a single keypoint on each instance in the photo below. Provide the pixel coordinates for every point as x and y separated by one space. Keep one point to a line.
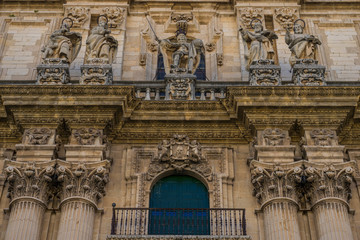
179 206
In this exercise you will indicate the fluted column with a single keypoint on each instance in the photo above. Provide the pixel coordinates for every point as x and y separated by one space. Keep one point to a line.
29 192
330 196
274 187
83 185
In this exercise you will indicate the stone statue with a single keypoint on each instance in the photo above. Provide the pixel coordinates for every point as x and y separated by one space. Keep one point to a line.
259 45
181 55
63 44
302 46
100 46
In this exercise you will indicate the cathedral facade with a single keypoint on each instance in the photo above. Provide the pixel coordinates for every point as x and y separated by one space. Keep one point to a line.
152 119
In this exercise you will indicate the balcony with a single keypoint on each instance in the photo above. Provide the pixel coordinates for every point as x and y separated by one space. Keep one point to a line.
178 223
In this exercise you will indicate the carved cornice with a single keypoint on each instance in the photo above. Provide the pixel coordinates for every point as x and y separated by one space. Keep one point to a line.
29 180
84 180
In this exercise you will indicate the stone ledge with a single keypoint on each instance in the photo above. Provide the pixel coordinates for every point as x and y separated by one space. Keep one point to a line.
174 237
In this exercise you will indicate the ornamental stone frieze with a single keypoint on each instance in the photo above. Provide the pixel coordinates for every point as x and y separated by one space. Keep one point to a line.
179 154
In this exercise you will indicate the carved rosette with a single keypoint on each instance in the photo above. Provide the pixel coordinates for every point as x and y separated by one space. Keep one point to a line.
79 15
85 180
323 137
30 180
264 73
307 72
115 15
286 16
179 154
37 136
273 181
248 14
87 136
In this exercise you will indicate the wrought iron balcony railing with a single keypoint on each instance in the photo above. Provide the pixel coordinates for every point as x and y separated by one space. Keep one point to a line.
178 221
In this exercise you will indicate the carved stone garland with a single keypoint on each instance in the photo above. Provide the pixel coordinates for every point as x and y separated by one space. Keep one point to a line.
179 154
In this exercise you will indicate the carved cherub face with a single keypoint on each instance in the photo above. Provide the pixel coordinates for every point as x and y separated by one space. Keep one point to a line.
298 29
258 27
181 38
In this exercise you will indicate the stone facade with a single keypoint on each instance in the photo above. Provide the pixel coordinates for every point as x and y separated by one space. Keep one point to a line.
87 119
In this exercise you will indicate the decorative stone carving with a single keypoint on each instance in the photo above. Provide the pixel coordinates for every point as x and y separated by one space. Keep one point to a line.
115 15
259 45
180 87
30 180
220 59
302 46
248 14
274 137
61 49
307 72
88 136
85 180
79 15
323 137
210 46
100 53
179 153
264 73
181 17
142 59
153 46
285 16
38 136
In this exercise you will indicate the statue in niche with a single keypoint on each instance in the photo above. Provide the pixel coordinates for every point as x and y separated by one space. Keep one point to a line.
63 44
302 46
181 54
259 45
100 46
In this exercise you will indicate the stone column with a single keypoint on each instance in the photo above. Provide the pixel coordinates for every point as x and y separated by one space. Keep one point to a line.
83 185
330 196
29 193
274 187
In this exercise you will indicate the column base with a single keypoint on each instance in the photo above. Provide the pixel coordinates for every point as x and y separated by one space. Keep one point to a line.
307 72
264 73
53 71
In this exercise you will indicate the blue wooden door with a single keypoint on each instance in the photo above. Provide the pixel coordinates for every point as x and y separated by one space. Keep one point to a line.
186 200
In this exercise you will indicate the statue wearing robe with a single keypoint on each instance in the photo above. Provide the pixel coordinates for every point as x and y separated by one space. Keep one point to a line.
100 45
302 46
62 44
259 45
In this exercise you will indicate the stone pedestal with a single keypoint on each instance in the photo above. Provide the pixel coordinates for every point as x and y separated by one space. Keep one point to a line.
96 74
307 72
332 220
77 219
278 154
34 152
328 154
53 71
85 153
264 73
180 86
280 220
25 219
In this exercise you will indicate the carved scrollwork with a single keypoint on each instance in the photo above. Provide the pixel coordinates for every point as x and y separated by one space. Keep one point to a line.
83 180
29 180
79 15
323 137
37 136
248 14
88 136
115 15
177 154
286 16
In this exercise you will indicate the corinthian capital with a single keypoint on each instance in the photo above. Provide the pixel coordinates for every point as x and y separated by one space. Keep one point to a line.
29 180
85 180
273 181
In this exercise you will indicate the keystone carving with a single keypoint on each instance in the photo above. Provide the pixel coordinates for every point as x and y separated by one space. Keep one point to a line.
79 15
37 136
30 180
323 137
83 180
177 154
88 136
248 14
285 16
115 15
